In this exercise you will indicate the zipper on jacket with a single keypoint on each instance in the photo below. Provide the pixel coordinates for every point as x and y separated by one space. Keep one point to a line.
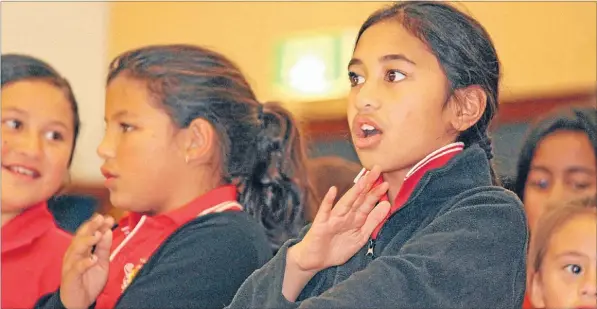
370 247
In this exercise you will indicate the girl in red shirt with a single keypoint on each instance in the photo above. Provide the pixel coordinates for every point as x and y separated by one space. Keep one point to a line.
40 124
207 173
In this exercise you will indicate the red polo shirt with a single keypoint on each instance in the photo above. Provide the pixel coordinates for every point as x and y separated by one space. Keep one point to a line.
434 160
138 236
32 251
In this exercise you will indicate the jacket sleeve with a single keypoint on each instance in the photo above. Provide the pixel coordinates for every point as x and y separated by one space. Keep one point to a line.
52 301
201 268
472 255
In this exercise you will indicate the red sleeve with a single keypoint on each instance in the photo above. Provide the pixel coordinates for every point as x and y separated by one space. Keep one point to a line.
56 244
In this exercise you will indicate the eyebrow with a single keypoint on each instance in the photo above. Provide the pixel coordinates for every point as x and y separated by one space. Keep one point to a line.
571 254
569 170
23 112
14 109
120 114
579 169
540 168
385 58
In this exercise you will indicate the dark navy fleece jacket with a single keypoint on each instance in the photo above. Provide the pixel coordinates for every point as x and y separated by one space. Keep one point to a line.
458 242
201 265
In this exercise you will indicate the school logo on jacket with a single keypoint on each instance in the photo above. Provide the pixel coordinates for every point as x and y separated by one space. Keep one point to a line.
130 271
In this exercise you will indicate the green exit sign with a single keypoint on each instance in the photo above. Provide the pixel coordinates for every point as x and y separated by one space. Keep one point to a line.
314 67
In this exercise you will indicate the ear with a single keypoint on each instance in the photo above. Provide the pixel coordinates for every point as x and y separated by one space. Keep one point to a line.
200 141
467 105
535 290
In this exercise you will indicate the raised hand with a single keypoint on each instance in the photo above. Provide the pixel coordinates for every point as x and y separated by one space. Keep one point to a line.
84 273
339 231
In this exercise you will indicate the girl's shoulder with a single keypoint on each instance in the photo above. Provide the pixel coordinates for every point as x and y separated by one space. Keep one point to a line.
487 200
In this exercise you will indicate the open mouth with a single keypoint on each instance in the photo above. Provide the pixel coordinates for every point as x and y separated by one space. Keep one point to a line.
366 133
368 130
21 170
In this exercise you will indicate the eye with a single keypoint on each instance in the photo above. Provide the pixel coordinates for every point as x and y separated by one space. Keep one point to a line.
540 184
581 185
573 269
13 124
125 127
394 76
355 79
54 136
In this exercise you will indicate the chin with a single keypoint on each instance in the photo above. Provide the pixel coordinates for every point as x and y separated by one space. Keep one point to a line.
121 201
129 202
11 205
368 159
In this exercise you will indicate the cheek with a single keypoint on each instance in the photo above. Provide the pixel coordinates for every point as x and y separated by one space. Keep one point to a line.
559 294
143 154
533 206
57 165
6 141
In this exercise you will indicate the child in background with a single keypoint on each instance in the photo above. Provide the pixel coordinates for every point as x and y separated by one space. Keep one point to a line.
563 257
558 160
40 124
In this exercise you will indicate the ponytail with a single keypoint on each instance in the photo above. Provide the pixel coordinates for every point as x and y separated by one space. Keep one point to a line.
278 188
260 146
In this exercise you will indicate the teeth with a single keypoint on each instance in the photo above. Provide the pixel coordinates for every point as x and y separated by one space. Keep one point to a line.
22 170
367 127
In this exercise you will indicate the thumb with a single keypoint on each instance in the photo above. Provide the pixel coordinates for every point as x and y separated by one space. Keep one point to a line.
376 216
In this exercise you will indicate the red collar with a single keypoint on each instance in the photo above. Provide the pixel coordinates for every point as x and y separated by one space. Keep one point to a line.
434 160
217 200
23 229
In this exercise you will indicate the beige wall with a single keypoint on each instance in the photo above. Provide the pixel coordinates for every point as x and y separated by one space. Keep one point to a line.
544 47
72 38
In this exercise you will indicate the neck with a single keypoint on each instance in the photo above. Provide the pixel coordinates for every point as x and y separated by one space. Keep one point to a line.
8 216
198 182
395 179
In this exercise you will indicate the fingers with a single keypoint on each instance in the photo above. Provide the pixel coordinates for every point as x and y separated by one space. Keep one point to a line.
83 265
328 202
80 248
107 225
375 217
102 249
347 202
371 198
88 235
88 228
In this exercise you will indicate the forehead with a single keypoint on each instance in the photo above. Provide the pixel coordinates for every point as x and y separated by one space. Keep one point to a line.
390 37
577 234
39 99
565 148
130 94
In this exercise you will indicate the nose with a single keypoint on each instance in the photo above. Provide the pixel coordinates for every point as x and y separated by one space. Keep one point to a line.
105 150
557 192
367 97
27 143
